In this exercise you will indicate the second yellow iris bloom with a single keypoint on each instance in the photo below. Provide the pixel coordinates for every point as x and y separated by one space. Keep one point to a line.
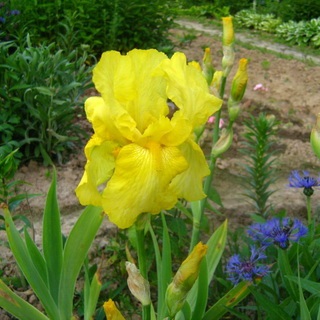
141 159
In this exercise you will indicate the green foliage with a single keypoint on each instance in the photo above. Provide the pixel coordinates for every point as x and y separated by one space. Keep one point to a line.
259 170
296 10
252 20
40 94
234 5
207 11
306 33
9 187
98 25
301 33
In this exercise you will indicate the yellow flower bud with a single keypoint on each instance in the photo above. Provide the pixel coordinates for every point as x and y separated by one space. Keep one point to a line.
207 65
239 82
228 43
315 137
184 279
111 311
216 83
228 32
224 142
137 284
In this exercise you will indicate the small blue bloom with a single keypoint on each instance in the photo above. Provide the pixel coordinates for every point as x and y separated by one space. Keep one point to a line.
14 12
247 269
278 231
2 20
304 181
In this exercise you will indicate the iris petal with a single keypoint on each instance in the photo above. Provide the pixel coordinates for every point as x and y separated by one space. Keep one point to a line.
188 184
188 89
140 182
99 168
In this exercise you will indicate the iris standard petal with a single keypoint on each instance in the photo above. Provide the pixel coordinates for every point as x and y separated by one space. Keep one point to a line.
188 89
99 168
189 183
168 132
131 84
98 113
140 182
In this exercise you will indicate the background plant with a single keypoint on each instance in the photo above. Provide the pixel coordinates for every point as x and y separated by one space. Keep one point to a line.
100 25
260 170
252 20
301 33
40 93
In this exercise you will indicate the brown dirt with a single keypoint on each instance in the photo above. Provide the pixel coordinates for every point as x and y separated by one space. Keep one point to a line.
293 96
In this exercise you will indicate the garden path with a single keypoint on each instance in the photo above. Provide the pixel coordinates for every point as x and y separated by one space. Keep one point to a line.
249 38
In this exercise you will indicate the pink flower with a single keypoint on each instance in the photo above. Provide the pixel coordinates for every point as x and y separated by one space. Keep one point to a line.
212 119
260 87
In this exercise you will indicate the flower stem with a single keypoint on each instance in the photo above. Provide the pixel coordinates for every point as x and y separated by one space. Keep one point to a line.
308 204
142 266
196 210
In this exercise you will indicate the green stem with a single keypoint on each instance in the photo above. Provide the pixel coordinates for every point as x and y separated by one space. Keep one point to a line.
215 138
308 203
142 266
196 210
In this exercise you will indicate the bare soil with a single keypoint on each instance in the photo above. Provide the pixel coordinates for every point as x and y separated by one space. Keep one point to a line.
293 96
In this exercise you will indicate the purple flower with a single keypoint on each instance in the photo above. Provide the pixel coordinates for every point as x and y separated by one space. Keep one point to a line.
247 269
304 181
2 20
278 231
14 12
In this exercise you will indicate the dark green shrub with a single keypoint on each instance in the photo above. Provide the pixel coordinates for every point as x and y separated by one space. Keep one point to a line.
295 10
99 25
40 97
234 5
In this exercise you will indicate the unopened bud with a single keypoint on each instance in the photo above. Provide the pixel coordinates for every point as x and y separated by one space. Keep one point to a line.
228 45
207 65
228 32
184 279
224 142
137 284
216 83
111 311
315 137
239 82
233 110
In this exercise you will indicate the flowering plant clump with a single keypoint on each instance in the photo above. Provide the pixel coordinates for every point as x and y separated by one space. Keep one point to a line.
140 159
247 269
278 231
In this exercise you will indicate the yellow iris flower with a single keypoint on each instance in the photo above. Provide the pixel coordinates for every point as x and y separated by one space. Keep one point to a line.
141 159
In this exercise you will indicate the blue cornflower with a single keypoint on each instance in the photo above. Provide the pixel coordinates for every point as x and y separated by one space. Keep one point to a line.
2 20
278 231
304 181
247 269
14 12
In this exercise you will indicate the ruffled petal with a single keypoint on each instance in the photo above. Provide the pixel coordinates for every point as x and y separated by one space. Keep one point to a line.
99 168
140 182
129 88
188 89
167 132
189 183
98 113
